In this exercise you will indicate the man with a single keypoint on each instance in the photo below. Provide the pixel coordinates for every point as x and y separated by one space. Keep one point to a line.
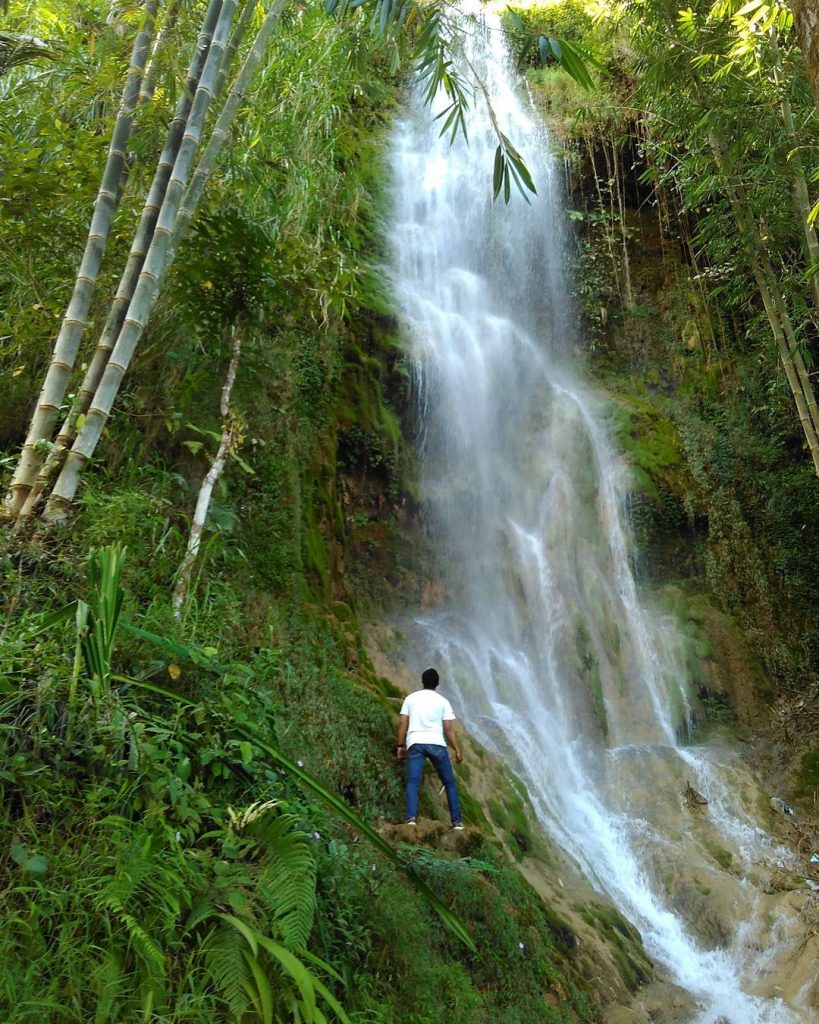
425 728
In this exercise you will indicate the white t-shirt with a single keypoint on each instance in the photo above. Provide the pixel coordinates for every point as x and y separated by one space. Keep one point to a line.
427 712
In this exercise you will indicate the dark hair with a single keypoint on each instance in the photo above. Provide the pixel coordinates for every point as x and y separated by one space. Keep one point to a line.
430 679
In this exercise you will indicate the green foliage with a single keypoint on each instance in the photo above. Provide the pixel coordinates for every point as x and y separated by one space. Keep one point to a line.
185 891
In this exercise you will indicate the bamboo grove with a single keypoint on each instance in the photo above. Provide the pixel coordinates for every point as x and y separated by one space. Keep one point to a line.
230 45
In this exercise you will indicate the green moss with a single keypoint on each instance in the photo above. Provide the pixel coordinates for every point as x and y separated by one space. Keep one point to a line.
650 442
389 689
722 856
807 780
498 814
633 964
472 810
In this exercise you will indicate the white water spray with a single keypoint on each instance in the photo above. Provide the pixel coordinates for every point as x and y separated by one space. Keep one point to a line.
557 661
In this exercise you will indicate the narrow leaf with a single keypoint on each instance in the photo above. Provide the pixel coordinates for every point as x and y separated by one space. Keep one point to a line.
497 177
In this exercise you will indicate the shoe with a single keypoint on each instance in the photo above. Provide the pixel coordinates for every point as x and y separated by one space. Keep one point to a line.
457 826
410 821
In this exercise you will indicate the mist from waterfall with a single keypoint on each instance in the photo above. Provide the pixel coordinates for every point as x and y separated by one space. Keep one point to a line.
556 659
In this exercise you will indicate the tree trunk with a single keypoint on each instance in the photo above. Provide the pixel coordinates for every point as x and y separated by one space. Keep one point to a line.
143 236
146 89
228 441
806 23
221 129
150 279
76 317
133 266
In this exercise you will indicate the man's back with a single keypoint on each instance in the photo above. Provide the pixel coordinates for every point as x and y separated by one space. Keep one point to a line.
427 711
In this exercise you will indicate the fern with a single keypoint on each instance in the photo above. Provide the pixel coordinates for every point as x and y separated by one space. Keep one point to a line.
222 952
242 961
287 880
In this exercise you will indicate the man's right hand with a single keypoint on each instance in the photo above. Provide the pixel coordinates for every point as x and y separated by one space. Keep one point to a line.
458 757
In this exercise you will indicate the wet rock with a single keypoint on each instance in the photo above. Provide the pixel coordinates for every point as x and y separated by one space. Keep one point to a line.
626 1015
524 843
692 798
435 834
784 809
665 1003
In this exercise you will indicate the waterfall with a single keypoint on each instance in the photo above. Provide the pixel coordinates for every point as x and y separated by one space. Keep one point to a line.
555 659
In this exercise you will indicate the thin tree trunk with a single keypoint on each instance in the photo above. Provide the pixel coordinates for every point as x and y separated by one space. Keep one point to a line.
133 266
227 443
221 130
76 317
806 23
150 280
148 85
614 266
800 194
620 185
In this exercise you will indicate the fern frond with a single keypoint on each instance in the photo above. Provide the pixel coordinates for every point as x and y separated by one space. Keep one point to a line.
223 955
287 881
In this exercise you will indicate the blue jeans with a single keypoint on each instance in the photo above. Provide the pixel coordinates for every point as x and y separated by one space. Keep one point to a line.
415 771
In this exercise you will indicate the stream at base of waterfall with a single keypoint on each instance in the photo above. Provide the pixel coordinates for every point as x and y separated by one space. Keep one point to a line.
555 658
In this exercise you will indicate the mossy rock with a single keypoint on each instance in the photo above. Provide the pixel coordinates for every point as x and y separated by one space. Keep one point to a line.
807 779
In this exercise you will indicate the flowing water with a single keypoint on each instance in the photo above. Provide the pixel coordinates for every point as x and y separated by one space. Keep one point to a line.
556 659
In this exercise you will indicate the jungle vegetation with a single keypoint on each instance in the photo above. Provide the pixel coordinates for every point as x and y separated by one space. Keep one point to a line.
192 196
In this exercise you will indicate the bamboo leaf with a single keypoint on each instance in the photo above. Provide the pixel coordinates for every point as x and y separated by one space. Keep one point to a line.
497 177
573 62
297 971
516 19
749 8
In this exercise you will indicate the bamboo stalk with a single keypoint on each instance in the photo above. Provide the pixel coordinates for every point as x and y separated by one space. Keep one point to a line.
142 239
229 440
235 42
75 320
221 129
133 266
150 279
148 84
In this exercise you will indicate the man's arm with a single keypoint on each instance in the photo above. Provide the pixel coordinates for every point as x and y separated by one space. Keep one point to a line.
452 740
403 725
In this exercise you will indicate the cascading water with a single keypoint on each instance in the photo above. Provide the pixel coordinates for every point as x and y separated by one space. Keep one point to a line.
557 660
